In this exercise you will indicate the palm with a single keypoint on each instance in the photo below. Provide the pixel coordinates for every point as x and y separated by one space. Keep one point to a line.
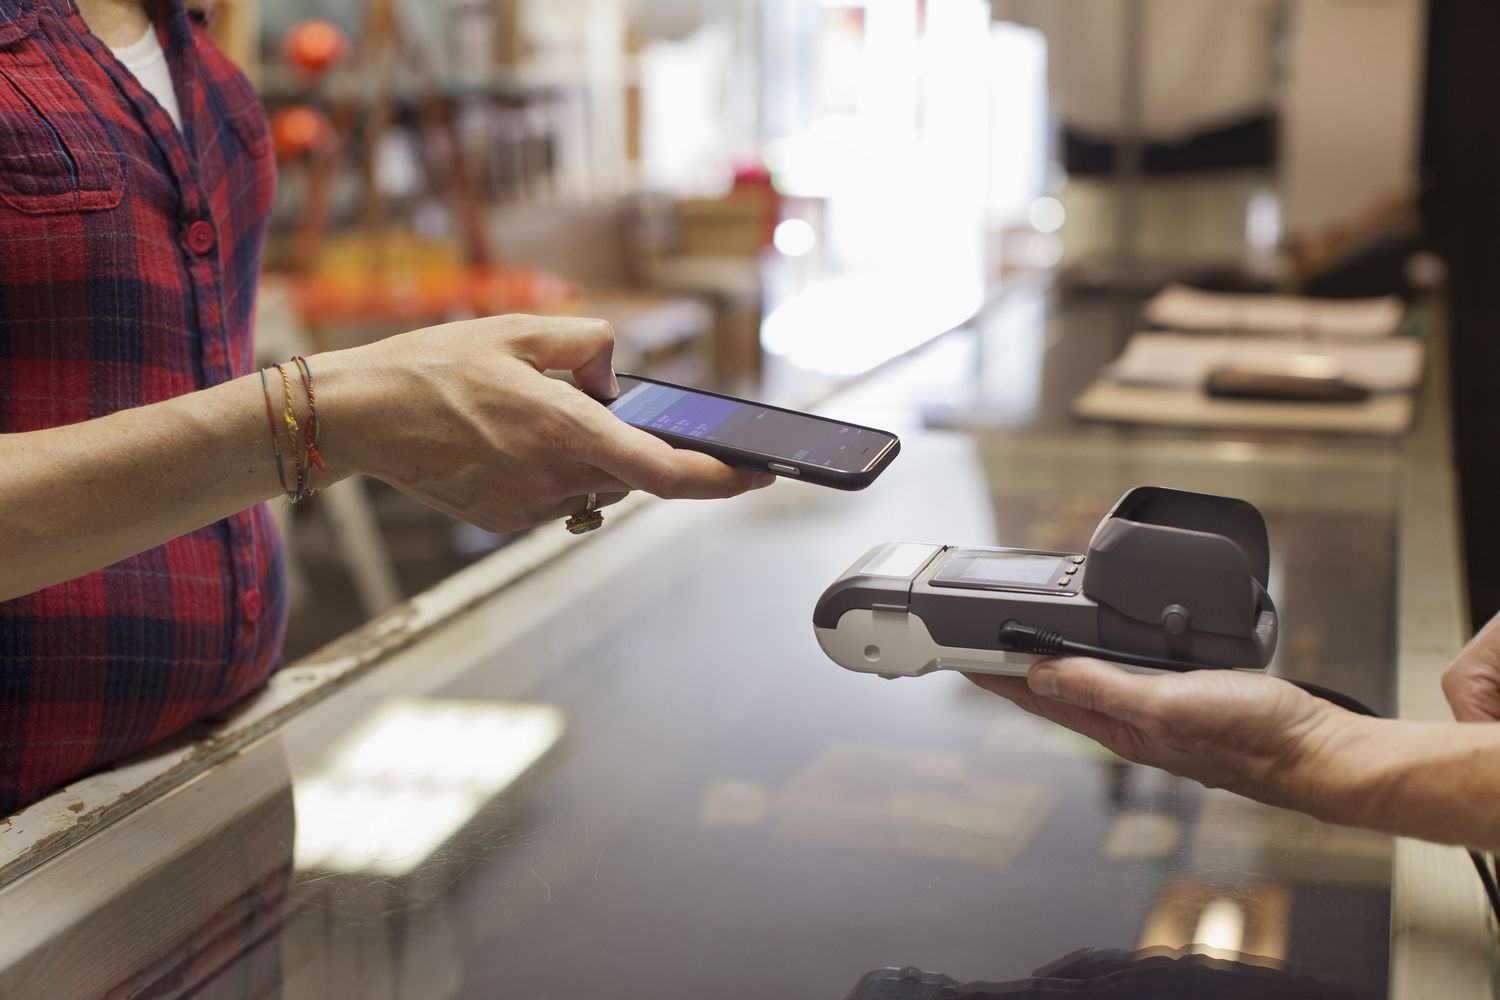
1221 728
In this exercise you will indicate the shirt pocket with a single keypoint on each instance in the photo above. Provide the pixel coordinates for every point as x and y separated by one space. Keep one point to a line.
56 155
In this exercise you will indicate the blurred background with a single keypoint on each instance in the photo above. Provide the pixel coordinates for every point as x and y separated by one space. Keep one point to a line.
772 198
1063 248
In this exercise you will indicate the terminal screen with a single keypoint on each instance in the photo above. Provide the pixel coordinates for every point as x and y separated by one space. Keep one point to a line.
1001 569
1028 569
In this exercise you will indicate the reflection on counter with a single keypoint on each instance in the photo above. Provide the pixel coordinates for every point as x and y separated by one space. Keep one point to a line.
1100 974
410 777
887 798
1221 922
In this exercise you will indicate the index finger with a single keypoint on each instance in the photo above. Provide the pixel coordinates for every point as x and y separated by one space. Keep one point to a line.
579 345
1097 686
650 464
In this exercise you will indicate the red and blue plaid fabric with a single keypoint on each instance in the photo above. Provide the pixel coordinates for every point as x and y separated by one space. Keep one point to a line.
129 252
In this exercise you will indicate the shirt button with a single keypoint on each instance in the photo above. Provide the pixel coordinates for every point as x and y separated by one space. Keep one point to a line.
200 237
250 604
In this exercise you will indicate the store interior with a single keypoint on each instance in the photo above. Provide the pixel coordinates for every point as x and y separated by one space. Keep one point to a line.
1026 236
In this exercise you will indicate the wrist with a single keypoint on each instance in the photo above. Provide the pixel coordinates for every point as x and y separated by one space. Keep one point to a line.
1432 780
1398 777
1338 770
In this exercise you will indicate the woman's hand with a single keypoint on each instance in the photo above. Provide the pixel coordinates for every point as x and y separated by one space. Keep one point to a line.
459 416
1251 734
462 418
1472 682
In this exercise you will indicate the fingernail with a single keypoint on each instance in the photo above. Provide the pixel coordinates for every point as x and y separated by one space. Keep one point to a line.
763 480
1043 681
614 384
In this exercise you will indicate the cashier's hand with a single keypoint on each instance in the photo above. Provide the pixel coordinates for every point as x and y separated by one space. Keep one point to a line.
1472 681
463 418
1251 734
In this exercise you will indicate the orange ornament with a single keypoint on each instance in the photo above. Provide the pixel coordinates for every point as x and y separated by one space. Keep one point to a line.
314 45
298 130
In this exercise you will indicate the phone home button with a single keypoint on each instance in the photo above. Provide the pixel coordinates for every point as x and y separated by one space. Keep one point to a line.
785 470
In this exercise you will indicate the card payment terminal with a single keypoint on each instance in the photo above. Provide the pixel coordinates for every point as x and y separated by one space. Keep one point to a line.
1170 580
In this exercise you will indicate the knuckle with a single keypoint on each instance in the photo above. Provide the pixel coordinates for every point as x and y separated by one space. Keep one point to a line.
1086 693
664 482
603 331
556 433
549 485
512 326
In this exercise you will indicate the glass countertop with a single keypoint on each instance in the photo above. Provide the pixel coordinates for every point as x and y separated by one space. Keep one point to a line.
635 774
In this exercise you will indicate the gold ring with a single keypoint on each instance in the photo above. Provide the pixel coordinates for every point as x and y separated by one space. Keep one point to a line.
587 519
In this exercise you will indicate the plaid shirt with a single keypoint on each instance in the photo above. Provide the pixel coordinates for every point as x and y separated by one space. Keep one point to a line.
129 252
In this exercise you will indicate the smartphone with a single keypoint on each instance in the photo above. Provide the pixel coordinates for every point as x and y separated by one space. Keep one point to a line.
756 436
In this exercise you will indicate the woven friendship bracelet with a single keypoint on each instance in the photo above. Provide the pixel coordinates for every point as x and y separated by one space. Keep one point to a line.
313 428
265 389
294 432
304 436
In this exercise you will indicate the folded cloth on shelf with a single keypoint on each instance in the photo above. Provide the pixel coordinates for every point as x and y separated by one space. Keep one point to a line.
1183 308
1185 360
1389 414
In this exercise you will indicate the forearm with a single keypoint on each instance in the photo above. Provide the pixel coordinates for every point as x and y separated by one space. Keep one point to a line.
79 497
459 416
1433 781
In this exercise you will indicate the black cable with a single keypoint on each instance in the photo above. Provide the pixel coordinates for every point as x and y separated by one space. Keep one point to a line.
1018 638
1488 878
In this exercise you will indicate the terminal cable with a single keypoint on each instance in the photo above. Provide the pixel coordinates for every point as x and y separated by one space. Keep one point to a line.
1019 638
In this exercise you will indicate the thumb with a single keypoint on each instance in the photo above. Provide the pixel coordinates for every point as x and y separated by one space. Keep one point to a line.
1472 687
1094 685
582 346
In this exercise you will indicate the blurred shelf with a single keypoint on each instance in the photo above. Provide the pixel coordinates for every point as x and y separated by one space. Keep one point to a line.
281 84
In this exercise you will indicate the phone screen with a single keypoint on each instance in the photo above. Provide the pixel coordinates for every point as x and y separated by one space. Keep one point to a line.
737 424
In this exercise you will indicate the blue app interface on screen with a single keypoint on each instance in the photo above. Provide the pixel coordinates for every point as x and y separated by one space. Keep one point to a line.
775 433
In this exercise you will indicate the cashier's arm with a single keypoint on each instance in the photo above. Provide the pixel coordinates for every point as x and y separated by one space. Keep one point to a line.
1262 737
459 416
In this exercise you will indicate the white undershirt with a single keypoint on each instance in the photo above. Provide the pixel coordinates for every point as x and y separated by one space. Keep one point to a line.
149 64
